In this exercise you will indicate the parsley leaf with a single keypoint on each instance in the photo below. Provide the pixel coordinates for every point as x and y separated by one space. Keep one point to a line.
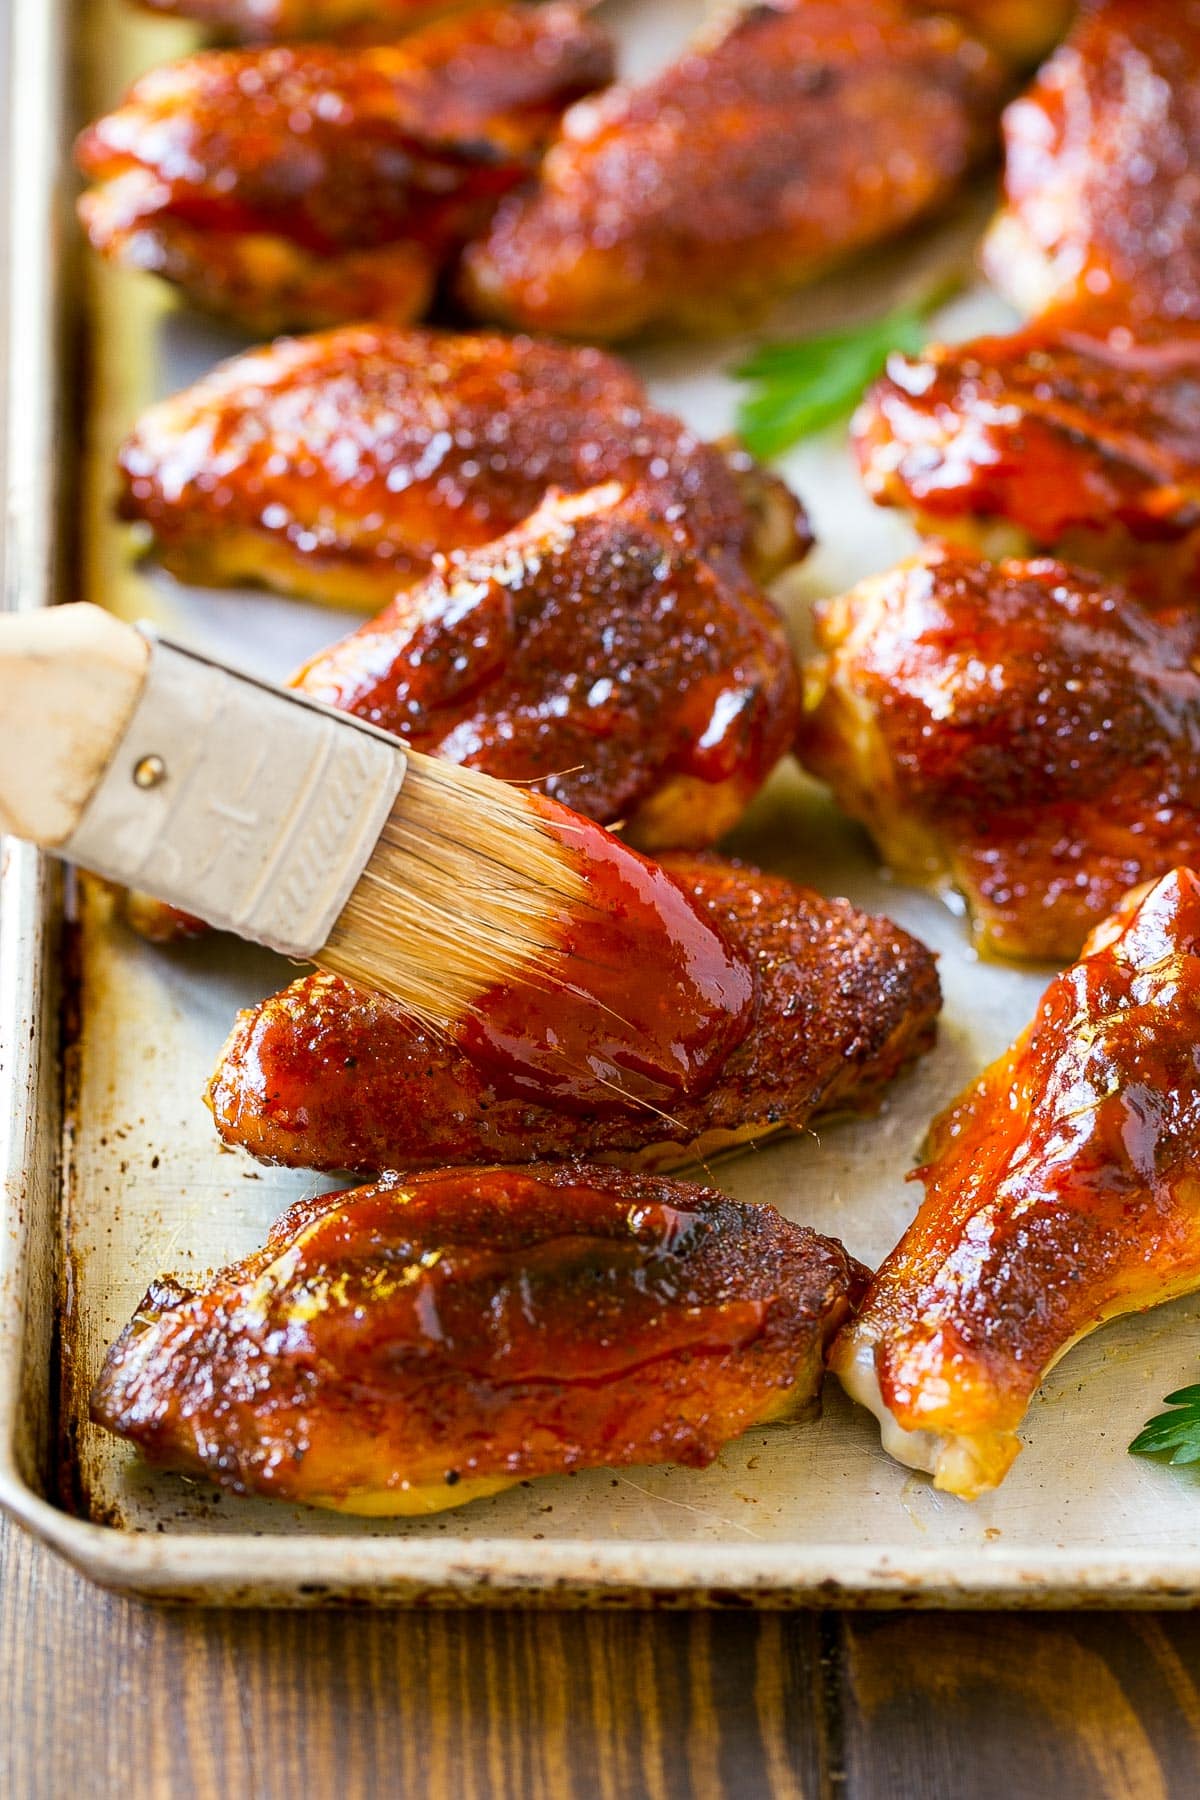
798 388
1175 1435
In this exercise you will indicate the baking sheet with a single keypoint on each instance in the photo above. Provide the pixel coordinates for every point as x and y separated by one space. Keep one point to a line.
786 1511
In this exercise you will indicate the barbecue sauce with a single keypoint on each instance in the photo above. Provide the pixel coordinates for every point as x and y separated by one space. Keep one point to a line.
647 1003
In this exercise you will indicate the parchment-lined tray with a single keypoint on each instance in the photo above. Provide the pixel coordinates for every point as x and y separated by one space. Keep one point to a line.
135 1183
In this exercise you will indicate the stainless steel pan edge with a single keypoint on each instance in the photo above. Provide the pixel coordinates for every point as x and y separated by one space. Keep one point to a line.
245 1569
30 1121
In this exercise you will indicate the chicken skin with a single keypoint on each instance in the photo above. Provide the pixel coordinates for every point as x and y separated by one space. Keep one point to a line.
337 466
780 144
591 650
408 1347
1083 443
326 1076
1100 171
1023 731
1060 1191
305 185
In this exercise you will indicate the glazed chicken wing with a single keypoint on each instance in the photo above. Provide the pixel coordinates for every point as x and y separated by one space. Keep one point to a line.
326 1076
1084 443
305 185
591 650
1081 433
336 466
1100 170
1023 731
1060 1191
794 136
408 1347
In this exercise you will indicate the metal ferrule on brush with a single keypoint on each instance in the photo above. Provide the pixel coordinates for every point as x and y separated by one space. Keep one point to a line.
253 809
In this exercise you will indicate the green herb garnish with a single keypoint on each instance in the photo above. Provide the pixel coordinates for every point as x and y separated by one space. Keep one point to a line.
1175 1435
802 386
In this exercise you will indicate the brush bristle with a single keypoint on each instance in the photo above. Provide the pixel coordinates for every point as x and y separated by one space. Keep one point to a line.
466 888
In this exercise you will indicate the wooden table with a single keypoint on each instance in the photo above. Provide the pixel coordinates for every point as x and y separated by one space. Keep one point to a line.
110 1698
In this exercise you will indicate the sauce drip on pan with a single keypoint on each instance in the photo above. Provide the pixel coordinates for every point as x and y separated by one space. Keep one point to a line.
648 1003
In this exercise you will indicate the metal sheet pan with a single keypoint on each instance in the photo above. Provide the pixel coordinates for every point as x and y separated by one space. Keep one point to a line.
112 1173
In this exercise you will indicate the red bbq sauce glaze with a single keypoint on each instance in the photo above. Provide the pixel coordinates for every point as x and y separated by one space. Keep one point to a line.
649 1000
1058 427
488 1214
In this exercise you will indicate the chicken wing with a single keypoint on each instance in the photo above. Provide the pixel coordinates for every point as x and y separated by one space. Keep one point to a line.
408 1347
1100 170
781 143
325 1076
1020 730
305 185
591 650
1082 442
1060 1191
336 466
1080 434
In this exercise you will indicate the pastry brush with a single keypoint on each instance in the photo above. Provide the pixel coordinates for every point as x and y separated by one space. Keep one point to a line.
299 827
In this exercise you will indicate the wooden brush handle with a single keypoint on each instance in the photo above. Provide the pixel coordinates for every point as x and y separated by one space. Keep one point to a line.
70 678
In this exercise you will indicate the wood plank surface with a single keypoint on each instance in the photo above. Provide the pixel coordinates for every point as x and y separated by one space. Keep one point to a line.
1001 1706
104 1697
